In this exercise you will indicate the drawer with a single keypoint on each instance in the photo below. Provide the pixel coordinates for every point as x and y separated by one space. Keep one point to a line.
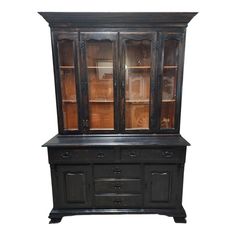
119 201
117 171
161 155
83 155
117 186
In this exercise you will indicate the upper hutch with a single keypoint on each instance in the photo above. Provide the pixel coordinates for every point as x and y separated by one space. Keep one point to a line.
118 79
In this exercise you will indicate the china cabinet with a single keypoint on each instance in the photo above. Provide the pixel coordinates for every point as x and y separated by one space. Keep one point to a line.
118 80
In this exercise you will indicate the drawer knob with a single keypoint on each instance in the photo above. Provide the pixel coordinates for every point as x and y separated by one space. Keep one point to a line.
116 171
100 155
117 186
117 201
167 154
66 155
132 155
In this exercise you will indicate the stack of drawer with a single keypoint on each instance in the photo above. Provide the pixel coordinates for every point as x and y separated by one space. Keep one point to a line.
117 186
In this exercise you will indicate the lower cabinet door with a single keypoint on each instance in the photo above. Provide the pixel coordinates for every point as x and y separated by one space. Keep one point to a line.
74 184
161 185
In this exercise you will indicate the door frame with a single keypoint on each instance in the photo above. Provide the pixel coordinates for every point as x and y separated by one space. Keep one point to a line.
137 36
99 36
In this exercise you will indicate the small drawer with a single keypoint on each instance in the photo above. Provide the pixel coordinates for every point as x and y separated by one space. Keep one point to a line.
117 186
119 201
83 155
117 171
161 155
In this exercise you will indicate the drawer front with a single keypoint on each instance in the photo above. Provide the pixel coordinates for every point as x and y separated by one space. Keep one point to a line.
69 155
117 171
161 155
119 201
118 186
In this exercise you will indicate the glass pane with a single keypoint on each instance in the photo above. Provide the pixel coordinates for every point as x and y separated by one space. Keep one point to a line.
68 87
137 84
100 84
170 74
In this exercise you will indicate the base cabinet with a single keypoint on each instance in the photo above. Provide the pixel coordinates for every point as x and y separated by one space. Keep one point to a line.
120 186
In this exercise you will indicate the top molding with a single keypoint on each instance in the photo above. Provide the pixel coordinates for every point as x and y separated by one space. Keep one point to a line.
118 19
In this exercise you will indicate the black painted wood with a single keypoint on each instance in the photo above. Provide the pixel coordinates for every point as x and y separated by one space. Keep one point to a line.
109 185
160 181
73 189
119 172
134 36
56 38
180 220
177 213
55 220
115 140
84 38
180 37
121 19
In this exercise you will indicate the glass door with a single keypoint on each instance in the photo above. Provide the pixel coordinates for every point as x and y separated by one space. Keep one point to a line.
171 75
67 81
137 70
100 58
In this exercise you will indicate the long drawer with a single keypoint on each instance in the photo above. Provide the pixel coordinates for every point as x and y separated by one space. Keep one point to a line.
119 201
117 171
117 185
112 155
83 155
160 155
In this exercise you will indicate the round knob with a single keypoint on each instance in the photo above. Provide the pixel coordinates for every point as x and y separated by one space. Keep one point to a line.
66 155
167 154
117 201
100 155
117 186
132 155
117 171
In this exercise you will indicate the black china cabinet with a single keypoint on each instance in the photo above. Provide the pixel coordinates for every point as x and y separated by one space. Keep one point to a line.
118 79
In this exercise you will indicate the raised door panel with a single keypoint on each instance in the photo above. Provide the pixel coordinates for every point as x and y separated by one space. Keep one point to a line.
74 184
65 47
99 59
77 194
161 186
138 63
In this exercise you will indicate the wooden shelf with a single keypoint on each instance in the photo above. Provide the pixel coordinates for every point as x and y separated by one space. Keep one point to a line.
170 67
101 101
69 101
137 67
99 67
126 67
72 129
144 101
67 67
139 128
169 100
101 128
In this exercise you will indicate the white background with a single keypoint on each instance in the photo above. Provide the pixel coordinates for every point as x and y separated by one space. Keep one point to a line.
28 119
